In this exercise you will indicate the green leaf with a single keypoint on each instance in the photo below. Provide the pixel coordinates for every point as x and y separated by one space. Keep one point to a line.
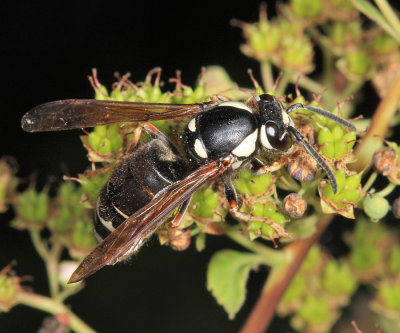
227 275
374 14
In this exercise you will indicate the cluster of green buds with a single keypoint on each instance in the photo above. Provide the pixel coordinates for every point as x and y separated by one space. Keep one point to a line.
348 194
9 287
32 209
280 41
265 219
324 285
375 259
8 182
65 217
71 223
110 142
335 141
316 295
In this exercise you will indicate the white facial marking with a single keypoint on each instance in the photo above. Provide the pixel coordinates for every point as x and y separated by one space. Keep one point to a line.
236 165
199 149
287 120
264 139
238 105
192 125
247 146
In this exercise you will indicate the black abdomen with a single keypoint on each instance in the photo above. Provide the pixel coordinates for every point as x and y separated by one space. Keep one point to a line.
134 182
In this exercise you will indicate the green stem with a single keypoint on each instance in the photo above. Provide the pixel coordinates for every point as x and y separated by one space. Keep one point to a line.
39 245
351 89
387 190
329 95
283 82
69 291
390 15
52 267
271 257
266 75
369 182
51 259
288 183
308 84
51 306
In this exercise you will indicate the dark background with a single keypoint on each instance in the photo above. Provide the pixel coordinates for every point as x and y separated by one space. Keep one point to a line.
48 49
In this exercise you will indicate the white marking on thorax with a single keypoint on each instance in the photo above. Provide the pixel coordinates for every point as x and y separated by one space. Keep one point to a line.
120 212
107 224
192 125
199 149
247 146
238 105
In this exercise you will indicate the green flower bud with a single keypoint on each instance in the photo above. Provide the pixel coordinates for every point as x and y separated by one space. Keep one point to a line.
315 310
33 206
340 148
255 225
337 132
9 286
337 279
376 207
105 146
204 202
247 183
389 294
296 290
394 260
353 181
358 63
95 140
307 9
384 44
351 195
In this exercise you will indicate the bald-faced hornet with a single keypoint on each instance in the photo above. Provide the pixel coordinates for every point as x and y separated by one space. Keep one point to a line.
221 138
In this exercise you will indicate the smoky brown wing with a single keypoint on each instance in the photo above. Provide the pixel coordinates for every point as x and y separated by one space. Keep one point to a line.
80 113
130 235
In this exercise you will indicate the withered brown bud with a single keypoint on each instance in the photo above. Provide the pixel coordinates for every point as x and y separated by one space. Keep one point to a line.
385 160
396 208
301 167
178 239
294 205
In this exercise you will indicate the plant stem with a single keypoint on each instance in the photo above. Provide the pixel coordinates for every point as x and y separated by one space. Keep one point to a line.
51 306
271 257
38 244
387 190
351 89
51 259
266 75
283 82
369 182
279 280
308 84
52 267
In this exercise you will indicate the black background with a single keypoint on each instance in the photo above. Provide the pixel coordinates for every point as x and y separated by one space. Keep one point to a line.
47 50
